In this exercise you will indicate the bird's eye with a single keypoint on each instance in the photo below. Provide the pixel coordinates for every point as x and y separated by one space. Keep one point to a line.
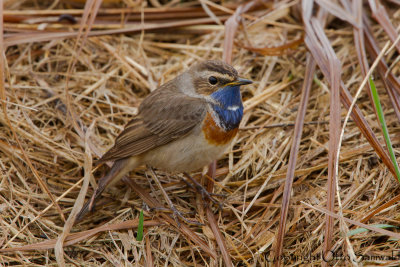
212 80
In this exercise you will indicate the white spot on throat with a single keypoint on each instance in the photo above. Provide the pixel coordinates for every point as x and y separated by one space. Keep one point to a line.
233 108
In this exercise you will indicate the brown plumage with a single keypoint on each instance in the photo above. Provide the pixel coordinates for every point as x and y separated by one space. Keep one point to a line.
159 121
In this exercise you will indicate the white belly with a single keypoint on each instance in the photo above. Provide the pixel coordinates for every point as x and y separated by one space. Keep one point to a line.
185 155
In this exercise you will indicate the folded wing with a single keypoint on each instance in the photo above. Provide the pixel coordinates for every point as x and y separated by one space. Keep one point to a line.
163 117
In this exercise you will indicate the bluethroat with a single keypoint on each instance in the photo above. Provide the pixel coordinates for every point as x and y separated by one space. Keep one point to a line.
182 126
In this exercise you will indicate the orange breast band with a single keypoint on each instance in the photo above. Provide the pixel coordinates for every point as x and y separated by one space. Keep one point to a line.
215 134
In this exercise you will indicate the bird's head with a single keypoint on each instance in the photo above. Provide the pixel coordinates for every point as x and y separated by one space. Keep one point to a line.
209 77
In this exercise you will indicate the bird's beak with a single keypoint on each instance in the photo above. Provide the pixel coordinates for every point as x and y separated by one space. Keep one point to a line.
244 81
239 82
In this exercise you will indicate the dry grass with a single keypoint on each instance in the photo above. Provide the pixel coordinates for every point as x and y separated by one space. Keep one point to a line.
64 102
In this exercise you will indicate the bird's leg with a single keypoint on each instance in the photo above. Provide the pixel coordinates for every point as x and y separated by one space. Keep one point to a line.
196 186
175 213
204 193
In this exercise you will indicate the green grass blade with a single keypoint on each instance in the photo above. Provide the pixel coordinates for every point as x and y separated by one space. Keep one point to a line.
362 230
139 236
378 106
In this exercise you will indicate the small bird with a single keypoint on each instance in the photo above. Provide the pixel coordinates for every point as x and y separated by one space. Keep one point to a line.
182 126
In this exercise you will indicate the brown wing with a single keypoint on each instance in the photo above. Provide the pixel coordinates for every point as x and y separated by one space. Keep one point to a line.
163 117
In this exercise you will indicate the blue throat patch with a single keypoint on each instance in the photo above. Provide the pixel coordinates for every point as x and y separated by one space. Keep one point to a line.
230 110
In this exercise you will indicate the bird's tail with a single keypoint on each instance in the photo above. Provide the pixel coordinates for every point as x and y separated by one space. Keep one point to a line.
118 170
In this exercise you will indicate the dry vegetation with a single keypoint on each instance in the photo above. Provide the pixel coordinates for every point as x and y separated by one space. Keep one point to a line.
66 99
